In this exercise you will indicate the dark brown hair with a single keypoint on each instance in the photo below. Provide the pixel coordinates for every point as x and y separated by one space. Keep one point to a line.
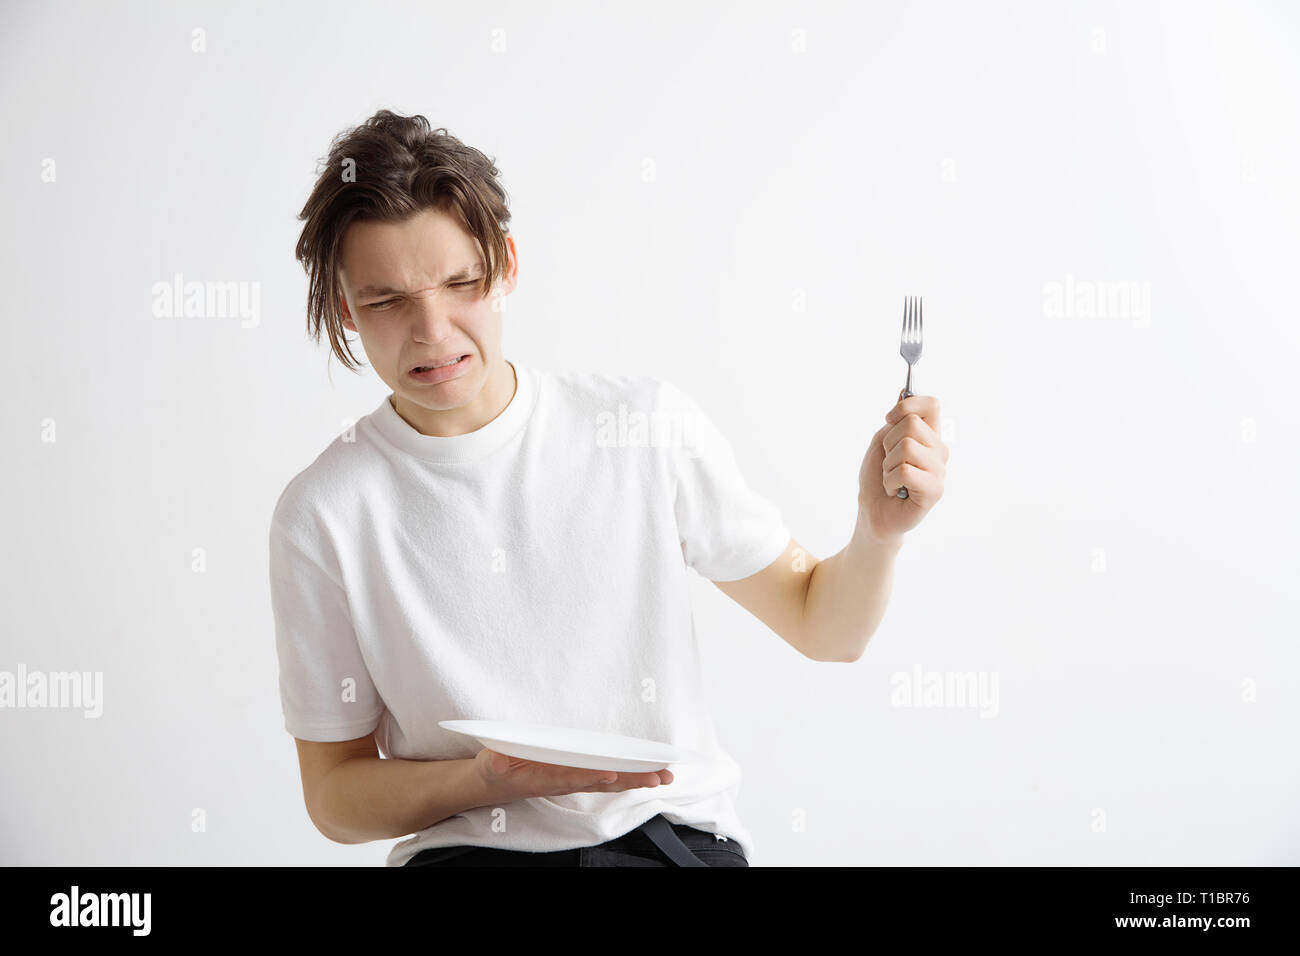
388 169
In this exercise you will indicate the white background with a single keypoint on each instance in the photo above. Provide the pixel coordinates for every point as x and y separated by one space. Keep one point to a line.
735 197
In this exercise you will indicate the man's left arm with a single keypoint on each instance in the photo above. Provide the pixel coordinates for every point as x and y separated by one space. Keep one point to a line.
828 610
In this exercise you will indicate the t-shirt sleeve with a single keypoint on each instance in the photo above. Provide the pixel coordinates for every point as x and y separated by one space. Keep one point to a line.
326 691
728 531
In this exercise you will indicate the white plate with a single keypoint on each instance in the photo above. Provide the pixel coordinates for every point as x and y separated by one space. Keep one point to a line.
570 747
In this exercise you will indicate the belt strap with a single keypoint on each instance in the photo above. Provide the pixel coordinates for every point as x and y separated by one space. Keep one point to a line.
663 836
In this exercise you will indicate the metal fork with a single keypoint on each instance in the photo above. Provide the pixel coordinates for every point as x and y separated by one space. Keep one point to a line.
910 347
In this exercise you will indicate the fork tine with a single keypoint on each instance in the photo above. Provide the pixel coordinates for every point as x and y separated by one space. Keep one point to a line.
919 323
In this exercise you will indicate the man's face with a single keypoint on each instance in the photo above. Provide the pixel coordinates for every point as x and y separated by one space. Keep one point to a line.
411 292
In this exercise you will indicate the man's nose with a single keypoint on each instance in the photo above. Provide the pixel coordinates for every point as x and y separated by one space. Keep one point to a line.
432 315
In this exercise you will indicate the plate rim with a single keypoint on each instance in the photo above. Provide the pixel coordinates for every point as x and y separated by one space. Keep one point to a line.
581 753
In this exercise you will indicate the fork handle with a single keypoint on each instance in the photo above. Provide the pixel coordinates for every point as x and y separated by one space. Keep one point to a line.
906 393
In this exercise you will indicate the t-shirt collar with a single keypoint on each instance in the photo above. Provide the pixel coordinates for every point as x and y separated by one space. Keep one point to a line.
469 446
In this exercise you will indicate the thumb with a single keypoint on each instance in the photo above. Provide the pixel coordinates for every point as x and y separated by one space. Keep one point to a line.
492 761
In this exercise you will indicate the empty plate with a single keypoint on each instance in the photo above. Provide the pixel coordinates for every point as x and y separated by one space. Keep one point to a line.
570 747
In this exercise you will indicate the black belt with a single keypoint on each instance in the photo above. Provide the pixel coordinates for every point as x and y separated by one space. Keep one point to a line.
657 829
665 837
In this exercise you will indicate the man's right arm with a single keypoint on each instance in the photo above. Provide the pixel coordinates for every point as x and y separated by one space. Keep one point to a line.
355 796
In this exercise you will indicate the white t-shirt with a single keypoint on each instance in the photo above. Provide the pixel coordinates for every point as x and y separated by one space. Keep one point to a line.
532 570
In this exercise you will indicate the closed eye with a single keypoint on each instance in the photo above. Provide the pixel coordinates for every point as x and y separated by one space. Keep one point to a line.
381 306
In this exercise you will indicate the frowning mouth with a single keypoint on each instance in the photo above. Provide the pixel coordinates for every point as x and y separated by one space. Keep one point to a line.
439 369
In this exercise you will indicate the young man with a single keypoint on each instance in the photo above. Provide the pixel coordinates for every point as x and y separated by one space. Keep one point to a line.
496 542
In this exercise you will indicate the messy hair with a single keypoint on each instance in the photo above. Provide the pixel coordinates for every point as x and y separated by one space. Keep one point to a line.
388 169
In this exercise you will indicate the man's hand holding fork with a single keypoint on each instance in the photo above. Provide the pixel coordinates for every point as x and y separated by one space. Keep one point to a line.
902 474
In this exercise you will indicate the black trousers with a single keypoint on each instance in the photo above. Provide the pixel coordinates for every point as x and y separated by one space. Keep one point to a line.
654 843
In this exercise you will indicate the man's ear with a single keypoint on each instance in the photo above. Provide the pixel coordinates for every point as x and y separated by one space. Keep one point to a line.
512 274
347 316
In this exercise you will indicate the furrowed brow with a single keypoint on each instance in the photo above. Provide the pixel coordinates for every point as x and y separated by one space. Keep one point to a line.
367 292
